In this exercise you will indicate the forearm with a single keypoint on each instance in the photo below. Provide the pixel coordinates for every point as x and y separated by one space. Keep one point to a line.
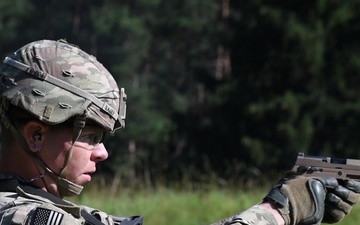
262 214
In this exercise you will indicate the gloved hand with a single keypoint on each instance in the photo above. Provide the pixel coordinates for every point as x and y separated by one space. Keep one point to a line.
340 200
311 200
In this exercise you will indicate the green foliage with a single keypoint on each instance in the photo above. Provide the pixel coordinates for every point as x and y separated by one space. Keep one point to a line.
166 206
214 90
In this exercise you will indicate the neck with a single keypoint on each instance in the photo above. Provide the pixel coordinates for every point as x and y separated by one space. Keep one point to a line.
25 168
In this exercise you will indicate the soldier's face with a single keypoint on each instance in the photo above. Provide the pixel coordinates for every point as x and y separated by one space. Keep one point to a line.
87 152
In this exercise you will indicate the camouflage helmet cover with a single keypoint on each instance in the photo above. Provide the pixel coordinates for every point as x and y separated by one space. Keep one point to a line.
55 81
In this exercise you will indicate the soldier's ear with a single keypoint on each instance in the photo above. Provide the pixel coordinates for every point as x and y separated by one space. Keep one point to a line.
33 134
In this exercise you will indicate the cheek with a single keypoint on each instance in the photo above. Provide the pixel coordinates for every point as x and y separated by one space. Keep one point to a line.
78 164
54 152
79 159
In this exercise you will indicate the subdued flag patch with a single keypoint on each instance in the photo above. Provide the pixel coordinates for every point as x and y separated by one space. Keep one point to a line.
47 217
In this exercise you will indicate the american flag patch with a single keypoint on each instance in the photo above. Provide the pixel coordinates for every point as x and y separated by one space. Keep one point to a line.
47 217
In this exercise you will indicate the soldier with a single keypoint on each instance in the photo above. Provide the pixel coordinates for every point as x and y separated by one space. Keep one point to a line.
58 102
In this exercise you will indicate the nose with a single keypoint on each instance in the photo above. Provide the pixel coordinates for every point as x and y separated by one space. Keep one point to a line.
99 153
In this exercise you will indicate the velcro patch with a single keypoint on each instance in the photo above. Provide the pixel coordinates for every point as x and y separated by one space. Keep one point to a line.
48 111
44 216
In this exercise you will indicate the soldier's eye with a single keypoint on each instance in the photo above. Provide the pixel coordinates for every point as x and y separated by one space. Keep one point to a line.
93 139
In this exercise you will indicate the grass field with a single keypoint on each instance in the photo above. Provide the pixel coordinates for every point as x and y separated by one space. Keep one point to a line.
180 207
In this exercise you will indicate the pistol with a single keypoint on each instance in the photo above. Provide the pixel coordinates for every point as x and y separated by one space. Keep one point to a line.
319 166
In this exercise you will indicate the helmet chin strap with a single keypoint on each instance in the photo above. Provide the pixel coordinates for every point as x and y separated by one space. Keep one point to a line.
65 186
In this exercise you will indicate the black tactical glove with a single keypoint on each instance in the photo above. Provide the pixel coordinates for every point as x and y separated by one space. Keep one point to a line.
339 200
308 201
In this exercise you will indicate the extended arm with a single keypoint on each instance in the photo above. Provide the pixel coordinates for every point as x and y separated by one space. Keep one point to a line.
301 200
262 214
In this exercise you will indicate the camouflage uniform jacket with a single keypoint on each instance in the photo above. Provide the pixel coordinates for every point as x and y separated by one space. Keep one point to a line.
22 207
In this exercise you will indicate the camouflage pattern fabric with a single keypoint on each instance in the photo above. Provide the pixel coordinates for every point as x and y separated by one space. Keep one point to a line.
24 208
255 215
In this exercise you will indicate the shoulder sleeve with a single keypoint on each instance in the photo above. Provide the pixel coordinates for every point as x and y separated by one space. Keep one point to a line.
16 214
51 215
254 215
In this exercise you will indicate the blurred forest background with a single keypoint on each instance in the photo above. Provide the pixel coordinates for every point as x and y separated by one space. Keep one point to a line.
218 91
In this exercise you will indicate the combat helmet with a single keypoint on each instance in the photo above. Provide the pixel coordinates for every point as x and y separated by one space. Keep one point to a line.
55 82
